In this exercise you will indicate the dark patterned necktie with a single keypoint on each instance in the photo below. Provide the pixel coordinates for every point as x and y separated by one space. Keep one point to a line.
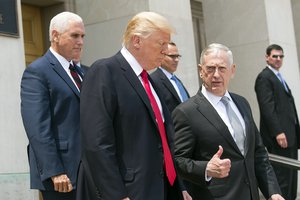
75 76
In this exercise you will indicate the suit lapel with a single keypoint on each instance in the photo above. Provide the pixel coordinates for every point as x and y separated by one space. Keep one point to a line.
168 84
61 72
276 80
165 111
135 83
187 93
208 111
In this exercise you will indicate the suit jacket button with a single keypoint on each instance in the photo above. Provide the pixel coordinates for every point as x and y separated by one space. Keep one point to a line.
162 174
246 181
160 147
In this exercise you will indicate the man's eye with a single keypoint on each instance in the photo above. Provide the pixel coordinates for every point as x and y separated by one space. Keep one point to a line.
222 69
210 69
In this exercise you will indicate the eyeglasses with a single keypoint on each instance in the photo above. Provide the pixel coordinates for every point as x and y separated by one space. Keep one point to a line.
278 56
212 69
174 56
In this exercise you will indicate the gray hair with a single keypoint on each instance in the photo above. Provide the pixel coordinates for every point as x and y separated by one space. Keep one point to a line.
61 22
215 48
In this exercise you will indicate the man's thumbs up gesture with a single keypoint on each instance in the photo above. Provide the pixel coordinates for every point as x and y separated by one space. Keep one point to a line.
217 167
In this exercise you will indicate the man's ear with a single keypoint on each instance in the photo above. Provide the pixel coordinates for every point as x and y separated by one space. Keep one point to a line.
267 58
200 70
55 35
136 40
233 69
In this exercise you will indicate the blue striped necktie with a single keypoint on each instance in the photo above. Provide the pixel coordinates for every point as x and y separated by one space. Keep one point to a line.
282 81
181 89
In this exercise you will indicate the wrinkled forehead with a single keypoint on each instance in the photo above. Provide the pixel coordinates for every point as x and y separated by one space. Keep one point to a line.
216 58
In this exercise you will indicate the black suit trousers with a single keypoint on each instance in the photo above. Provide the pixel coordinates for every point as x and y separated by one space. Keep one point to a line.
172 192
53 195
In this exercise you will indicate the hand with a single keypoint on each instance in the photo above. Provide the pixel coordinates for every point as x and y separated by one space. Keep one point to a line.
276 197
186 195
218 168
62 183
281 140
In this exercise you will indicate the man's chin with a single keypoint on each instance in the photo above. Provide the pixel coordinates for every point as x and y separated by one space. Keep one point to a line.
218 91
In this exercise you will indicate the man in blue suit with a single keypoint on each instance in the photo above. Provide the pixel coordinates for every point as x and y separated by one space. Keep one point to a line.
50 110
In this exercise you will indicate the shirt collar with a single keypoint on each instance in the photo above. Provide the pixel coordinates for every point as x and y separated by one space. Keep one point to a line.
64 62
168 74
214 99
273 70
137 68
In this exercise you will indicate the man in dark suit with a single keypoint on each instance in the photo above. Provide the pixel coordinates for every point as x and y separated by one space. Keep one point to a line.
50 110
171 87
279 123
126 140
218 149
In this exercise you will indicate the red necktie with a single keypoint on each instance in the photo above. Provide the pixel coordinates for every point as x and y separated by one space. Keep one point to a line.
169 165
75 76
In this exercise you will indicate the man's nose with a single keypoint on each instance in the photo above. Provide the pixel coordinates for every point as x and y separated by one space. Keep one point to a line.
216 72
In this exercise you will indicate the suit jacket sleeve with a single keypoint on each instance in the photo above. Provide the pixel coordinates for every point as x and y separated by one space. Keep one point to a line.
36 115
264 172
266 100
97 109
189 169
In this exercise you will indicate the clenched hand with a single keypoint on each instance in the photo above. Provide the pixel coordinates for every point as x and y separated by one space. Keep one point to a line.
62 183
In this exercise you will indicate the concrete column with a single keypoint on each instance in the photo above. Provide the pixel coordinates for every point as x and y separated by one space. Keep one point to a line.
106 21
296 17
179 14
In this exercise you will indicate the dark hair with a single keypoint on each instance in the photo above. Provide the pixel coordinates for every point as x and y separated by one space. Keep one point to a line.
272 47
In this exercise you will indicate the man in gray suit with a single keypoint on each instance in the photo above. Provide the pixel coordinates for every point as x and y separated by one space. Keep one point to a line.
218 148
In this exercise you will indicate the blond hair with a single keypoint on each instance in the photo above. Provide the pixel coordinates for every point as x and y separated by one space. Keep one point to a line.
144 24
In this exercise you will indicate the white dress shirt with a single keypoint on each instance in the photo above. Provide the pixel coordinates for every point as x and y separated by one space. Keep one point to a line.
221 109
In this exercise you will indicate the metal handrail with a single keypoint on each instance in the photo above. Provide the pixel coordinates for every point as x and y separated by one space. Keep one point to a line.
288 162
